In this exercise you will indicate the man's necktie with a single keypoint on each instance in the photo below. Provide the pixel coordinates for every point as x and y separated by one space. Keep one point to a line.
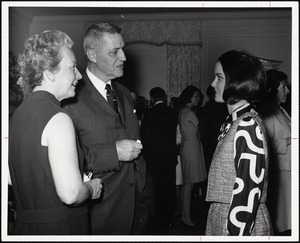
111 98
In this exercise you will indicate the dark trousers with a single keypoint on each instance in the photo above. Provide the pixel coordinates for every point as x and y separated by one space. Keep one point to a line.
165 192
144 209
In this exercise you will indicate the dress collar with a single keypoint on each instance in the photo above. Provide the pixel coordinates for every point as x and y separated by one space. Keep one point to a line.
232 117
158 102
45 94
287 116
98 83
238 112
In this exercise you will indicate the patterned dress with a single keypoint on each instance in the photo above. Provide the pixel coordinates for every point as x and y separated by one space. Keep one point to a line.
238 176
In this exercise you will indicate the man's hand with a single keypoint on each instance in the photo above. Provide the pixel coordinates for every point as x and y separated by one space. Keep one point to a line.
94 186
128 149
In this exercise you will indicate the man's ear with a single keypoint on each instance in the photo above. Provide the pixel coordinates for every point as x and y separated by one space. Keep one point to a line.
91 55
48 75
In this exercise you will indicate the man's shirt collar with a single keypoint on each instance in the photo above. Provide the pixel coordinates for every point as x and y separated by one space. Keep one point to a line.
98 83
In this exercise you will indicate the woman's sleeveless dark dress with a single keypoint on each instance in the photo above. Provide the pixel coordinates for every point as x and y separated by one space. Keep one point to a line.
39 210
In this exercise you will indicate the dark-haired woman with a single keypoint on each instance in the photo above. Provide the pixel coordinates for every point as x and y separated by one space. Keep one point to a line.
191 151
238 176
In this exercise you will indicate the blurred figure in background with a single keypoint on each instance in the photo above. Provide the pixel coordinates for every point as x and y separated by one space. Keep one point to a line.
158 133
278 126
211 116
179 177
140 104
134 96
176 105
15 92
287 105
141 107
191 152
15 99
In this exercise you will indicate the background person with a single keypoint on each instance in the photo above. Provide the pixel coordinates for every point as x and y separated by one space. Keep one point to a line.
179 177
44 165
158 133
191 152
110 137
211 116
238 175
175 104
278 126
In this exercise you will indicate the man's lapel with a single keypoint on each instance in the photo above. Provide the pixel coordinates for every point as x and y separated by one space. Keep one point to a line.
97 97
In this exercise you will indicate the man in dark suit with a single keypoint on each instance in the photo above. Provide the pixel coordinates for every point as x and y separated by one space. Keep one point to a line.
109 138
158 133
211 116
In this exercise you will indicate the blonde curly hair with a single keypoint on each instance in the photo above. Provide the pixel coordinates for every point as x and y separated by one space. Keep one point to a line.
42 52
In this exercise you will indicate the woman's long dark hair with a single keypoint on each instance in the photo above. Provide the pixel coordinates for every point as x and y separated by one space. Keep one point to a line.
187 94
269 104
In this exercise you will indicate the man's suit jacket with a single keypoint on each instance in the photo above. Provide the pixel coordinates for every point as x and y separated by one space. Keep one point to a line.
98 128
158 133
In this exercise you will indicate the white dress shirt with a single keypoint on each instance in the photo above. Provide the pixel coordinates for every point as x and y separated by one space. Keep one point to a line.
98 83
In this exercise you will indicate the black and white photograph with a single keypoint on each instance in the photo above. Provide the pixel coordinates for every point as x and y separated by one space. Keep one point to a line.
150 121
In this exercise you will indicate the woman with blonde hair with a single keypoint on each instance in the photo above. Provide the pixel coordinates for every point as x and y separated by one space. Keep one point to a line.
46 169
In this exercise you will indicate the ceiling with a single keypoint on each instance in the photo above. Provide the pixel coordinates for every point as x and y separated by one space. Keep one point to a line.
50 11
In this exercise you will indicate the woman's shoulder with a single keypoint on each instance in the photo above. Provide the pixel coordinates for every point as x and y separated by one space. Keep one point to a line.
186 109
268 109
187 112
183 111
249 119
252 123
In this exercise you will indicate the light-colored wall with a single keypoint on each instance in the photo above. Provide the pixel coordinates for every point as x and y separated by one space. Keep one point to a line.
147 67
265 34
269 38
19 25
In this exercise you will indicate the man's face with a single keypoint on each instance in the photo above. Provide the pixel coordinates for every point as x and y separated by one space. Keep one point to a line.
110 57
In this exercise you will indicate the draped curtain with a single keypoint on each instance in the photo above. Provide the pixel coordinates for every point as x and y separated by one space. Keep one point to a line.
183 67
183 40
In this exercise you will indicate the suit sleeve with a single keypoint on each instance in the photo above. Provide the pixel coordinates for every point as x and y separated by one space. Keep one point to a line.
145 134
106 153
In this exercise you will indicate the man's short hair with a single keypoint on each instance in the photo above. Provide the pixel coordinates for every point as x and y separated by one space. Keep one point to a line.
157 93
93 35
